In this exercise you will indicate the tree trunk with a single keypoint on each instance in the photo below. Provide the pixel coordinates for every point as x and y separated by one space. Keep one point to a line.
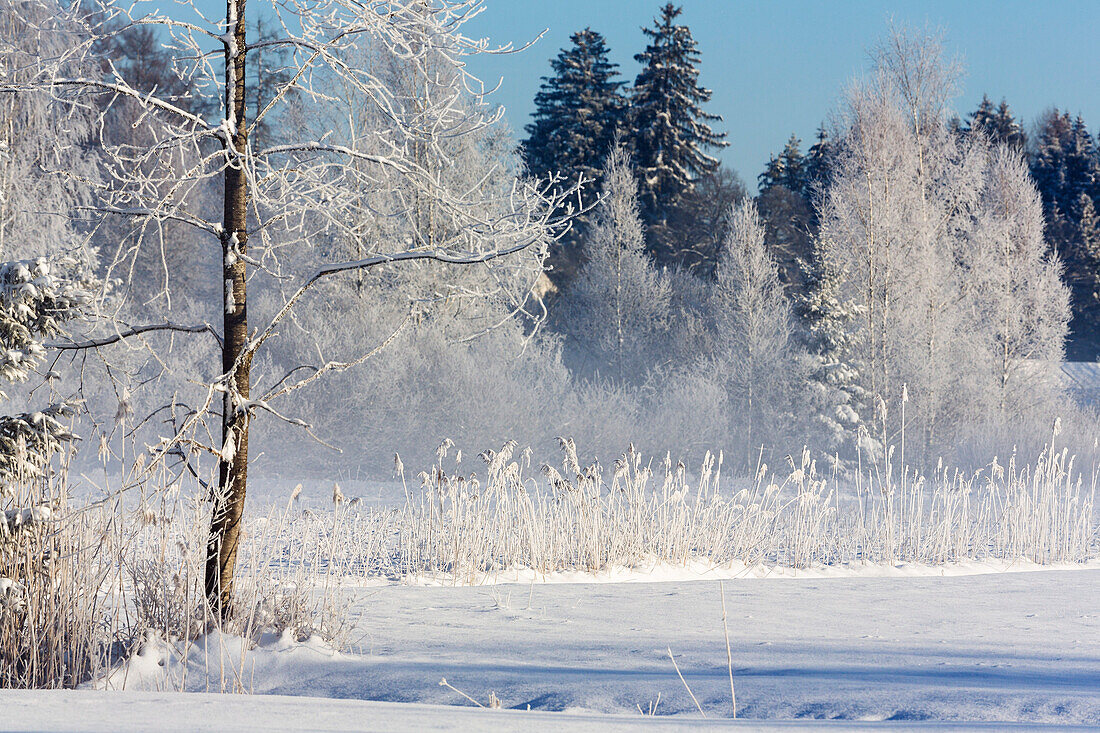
221 553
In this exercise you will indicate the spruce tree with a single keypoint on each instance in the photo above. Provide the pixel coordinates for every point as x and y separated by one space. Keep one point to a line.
788 169
670 127
835 392
996 123
818 160
786 205
577 111
1067 173
1088 240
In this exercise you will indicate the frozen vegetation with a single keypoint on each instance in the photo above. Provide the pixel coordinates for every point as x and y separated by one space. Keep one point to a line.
772 457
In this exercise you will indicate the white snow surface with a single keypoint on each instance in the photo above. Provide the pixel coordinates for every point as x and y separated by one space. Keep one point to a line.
894 652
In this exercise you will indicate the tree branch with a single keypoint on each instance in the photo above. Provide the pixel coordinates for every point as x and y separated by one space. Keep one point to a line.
135 331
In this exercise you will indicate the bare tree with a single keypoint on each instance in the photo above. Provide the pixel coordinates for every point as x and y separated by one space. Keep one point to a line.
284 197
909 214
1021 301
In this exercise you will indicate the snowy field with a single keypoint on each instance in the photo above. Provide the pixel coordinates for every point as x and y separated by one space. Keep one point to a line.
898 652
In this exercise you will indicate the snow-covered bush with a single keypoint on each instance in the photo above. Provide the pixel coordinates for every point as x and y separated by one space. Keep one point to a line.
46 624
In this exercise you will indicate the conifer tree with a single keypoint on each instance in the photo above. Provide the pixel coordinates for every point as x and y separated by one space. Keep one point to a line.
1088 239
577 110
36 299
997 123
670 127
788 169
818 161
1067 173
835 392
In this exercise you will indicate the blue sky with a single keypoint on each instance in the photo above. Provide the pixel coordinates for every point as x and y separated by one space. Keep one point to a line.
779 67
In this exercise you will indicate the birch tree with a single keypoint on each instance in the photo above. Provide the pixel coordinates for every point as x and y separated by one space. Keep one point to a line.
619 306
1021 301
755 350
281 196
903 188
930 231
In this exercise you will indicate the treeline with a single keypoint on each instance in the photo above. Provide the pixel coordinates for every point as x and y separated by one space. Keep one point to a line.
684 191
904 280
896 283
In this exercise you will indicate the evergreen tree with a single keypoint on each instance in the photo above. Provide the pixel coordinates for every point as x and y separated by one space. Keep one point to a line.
1088 239
1009 131
35 301
577 112
788 169
997 123
835 392
670 127
1064 165
982 118
818 162
786 197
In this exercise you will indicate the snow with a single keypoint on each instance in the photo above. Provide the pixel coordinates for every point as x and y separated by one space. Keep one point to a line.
85 712
918 652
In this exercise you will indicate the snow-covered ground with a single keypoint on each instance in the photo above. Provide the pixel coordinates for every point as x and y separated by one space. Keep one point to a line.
889 650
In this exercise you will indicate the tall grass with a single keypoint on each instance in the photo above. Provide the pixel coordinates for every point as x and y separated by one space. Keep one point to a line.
85 586
95 583
635 514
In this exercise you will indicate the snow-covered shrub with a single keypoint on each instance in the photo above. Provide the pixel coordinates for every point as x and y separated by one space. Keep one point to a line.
40 579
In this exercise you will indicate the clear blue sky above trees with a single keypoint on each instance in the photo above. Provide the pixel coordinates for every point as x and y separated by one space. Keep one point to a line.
779 67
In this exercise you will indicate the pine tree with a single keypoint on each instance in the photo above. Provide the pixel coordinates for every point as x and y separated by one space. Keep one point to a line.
577 111
787 189
670 128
